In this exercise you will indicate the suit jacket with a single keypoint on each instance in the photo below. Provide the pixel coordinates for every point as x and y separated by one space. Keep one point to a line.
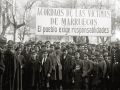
87 67
26 55
47 66
103 66
32 71
18 74
10 70
67 67
67 63
55 59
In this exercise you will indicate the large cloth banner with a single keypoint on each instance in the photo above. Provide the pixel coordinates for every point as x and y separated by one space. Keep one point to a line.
73 22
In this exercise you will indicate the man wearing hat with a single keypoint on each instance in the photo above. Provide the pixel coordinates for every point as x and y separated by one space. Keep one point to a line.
47 43
2 66
10 67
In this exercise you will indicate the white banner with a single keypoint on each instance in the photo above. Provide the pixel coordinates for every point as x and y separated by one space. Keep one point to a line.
73 22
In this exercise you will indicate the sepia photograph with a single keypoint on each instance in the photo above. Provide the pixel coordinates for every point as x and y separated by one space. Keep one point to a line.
59 44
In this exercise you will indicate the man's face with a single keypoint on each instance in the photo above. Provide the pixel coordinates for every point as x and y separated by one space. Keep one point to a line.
19 51
106 57
82 48
28 47
74 48
100 56
86 50
93 56
48 45
77 55
37 48
52 48
65 52
85 57
44 48
89 47
45 54
95 62
33 46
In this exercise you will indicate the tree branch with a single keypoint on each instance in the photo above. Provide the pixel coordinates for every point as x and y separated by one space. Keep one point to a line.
22 24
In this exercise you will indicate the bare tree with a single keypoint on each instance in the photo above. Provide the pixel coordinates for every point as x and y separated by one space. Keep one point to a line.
5 17
14 22
22 32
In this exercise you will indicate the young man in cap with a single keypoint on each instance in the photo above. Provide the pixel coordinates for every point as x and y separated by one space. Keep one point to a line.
2 66
47 43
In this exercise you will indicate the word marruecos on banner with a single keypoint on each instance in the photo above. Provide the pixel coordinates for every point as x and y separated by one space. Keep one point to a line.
73 22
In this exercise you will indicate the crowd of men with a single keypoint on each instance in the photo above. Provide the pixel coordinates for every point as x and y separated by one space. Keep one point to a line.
59 66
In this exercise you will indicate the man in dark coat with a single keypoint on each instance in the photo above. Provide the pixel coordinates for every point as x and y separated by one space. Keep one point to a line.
10 67
26 54
2 66
87 69
115 63
46 69
20 65
67 69
56 74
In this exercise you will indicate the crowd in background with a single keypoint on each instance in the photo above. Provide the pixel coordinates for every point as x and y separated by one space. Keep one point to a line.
59 66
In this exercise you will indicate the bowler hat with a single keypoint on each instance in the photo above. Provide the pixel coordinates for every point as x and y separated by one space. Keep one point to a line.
3 40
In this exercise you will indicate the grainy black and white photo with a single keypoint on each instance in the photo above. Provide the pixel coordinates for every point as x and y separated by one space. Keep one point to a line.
59 44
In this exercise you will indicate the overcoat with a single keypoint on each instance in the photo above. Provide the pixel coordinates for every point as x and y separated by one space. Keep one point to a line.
10 70
2 67
67 68
18 72
55 59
